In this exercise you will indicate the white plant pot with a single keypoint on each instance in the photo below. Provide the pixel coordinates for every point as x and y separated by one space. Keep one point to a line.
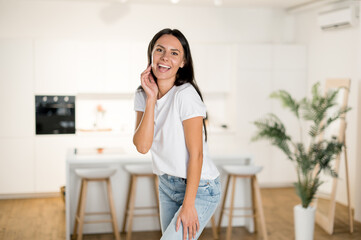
304 222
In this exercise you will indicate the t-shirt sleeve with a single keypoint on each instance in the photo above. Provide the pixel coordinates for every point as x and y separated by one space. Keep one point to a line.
190 104
139 100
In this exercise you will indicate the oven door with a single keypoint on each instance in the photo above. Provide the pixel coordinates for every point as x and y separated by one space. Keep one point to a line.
55 114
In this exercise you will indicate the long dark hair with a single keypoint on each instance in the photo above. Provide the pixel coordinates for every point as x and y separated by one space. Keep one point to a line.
185 74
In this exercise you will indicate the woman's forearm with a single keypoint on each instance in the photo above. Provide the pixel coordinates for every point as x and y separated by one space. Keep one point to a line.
193 176
143 136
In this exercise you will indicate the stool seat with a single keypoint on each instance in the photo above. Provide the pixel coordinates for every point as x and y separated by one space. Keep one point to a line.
242 170
92 173
139 168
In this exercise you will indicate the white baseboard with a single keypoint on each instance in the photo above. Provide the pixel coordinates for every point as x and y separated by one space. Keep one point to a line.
30 195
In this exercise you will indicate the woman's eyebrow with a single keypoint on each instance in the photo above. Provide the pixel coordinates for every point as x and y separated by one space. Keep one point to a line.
174 49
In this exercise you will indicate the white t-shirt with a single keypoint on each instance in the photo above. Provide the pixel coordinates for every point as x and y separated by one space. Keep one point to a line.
169 150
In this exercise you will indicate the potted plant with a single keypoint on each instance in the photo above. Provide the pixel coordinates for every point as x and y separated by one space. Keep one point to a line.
311 159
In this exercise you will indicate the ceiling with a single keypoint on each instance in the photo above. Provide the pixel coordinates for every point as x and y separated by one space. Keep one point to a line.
229 3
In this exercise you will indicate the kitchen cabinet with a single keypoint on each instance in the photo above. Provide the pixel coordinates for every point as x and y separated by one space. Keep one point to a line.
90 67
289 57
104 67
50 159
213 66
139 62
255 57
16 88
55 67
17 163
117 67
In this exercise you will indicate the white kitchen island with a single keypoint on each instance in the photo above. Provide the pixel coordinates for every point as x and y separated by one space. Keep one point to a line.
117 158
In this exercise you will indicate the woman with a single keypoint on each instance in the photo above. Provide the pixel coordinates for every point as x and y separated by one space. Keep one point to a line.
170 123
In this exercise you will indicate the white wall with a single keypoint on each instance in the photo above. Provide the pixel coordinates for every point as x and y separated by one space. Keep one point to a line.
335 54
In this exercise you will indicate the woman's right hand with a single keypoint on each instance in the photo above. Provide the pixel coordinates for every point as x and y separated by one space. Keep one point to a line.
148 83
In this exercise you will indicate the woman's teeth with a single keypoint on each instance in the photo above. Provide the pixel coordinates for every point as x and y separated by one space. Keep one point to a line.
164 66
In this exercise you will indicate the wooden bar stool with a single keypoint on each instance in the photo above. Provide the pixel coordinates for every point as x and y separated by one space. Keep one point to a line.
136 171
87 175
234 172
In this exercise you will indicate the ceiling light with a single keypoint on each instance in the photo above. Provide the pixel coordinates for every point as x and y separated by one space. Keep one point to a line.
218 2
174 1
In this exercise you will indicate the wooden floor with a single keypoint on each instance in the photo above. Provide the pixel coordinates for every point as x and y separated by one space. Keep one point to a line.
44 218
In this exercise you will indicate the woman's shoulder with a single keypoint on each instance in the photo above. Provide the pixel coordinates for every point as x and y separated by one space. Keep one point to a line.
140 92
139 89
186 89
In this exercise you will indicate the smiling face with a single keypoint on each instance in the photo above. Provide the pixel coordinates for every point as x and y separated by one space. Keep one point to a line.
167 57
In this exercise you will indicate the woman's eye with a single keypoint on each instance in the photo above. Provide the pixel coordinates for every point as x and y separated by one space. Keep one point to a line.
159 50
175 53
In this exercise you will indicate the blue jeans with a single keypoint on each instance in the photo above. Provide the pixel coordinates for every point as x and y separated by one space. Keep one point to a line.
171 194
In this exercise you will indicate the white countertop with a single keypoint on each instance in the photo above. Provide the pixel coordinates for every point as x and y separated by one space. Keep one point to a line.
119 155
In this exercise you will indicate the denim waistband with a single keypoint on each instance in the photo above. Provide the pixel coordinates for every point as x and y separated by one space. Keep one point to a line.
174 178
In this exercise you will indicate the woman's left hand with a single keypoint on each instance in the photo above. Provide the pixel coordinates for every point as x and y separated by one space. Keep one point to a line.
189 217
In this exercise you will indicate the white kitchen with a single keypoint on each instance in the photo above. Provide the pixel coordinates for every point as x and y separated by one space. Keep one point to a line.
69 70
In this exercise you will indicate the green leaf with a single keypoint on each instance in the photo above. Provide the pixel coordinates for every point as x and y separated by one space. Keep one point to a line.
287 101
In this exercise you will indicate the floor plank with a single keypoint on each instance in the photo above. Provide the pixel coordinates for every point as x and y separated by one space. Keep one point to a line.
45 219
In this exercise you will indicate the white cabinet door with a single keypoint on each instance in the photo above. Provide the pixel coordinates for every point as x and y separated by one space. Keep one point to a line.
139 62
55 67
50 161
117 67
104 67
213 66
90 67
255 57
289 57
17 165
17 88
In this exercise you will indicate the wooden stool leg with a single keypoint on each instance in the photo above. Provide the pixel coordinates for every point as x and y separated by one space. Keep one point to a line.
131 207
112 210
82 208
127 204
229 228
348 190
260 207
75 230
156 185
214 228
254 208
223 203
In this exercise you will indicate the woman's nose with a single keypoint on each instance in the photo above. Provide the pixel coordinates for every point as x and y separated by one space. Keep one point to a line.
165 55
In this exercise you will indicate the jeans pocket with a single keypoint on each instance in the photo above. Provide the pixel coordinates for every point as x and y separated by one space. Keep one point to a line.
214 188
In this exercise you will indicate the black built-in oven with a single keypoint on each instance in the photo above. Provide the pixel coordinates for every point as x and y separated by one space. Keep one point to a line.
55 114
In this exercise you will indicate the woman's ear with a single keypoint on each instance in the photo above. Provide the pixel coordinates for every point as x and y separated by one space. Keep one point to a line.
183 63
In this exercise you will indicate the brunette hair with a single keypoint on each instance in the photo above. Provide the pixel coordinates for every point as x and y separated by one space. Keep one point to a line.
184 74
